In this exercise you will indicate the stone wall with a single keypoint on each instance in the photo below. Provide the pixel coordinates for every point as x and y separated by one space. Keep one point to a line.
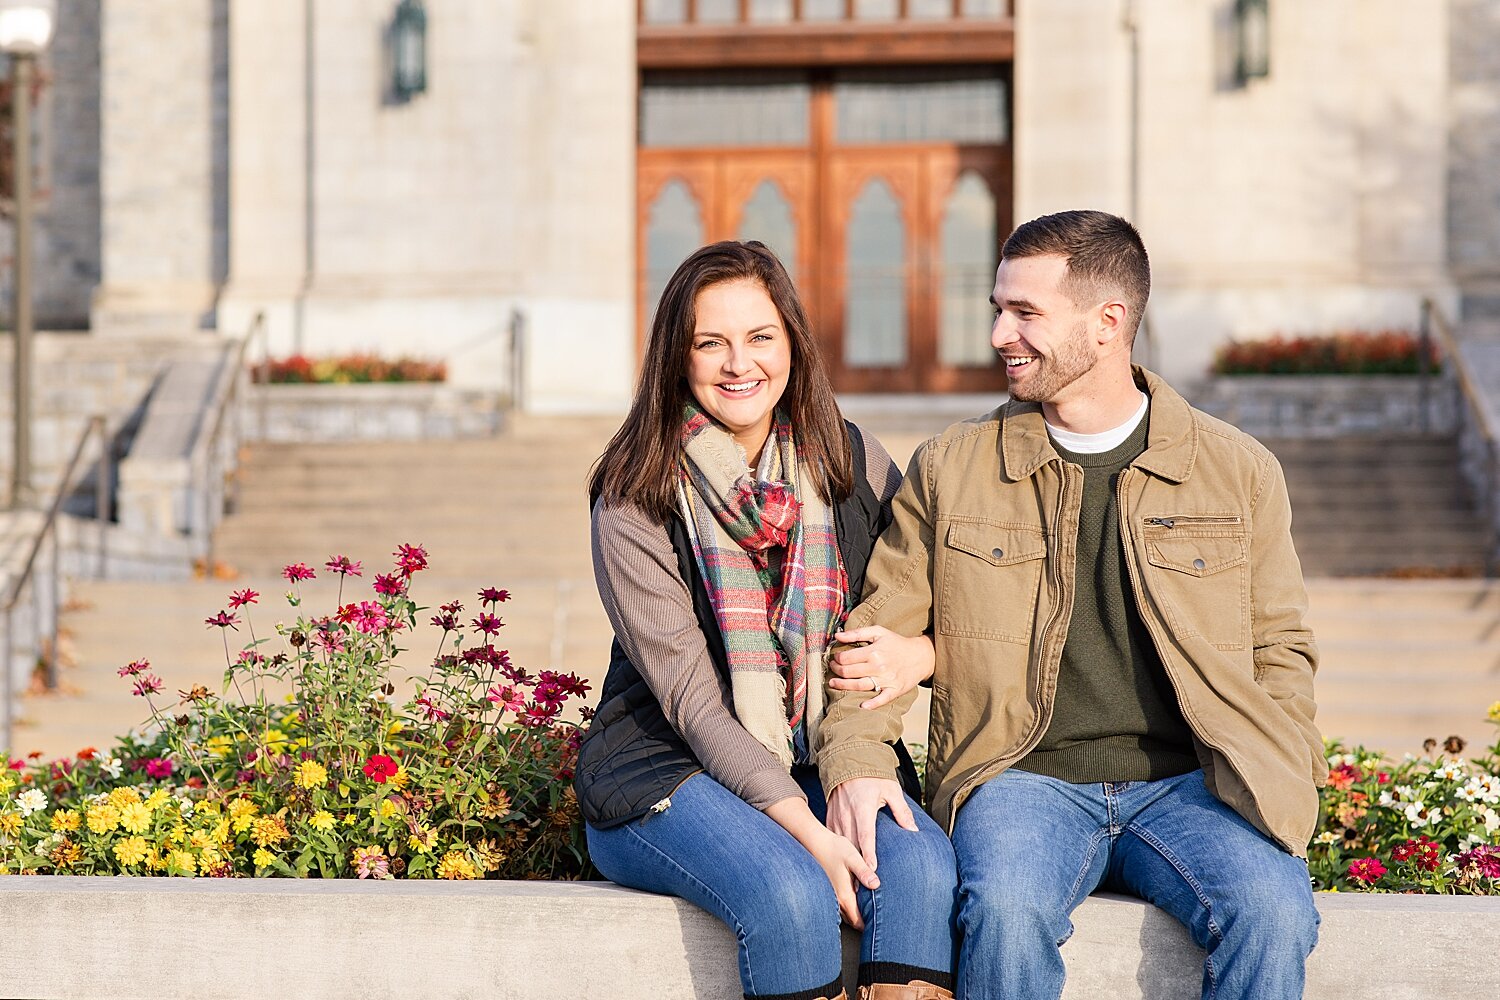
1307 202
1328 406
1473 155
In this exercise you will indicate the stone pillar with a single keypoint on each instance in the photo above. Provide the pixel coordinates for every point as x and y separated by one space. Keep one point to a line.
163 151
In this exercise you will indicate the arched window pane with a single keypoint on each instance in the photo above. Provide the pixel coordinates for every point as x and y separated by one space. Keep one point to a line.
875 281
968 274
675 230
768 218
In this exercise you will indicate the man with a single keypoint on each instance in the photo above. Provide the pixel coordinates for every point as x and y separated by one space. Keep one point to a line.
1123 688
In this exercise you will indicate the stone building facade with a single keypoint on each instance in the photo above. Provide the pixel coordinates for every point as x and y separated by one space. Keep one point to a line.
209 160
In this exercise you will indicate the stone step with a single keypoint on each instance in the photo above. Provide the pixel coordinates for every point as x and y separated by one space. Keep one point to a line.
1402 626
1330 595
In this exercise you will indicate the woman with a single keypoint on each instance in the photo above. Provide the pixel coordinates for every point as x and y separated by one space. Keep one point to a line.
734 513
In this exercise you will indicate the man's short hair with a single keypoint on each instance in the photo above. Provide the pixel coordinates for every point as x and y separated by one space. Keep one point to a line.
1105 255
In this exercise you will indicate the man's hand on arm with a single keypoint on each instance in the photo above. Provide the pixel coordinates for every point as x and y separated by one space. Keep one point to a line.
895 663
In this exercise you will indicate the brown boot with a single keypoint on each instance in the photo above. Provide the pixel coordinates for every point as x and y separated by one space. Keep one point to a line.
914 990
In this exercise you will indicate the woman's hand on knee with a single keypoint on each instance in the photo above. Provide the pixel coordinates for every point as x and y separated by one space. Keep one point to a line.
888 665
843 864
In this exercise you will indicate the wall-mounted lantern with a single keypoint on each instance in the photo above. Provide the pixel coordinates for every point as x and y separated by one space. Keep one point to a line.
409 50
1252 40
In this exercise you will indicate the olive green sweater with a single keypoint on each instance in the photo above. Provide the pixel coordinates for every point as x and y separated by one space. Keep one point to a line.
1115 716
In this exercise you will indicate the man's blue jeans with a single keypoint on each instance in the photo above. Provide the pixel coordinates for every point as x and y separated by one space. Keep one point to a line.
713 849
1031 848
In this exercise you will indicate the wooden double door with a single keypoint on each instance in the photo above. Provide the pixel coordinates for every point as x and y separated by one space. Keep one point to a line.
892 247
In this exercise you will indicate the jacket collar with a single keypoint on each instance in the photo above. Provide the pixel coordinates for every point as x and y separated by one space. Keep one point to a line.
1171 442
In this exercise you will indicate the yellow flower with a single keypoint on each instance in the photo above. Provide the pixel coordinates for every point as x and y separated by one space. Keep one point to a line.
157 799
311 774
6 782
122 797
348 819
103 818
135 817
210 858
66 820
400 779
275 740
219 746
183 861
396 727
388 808
423 841
131 851
242 813
220 832
269 830
322 820
1495 712
262 857
200 840
155 861
10 823
456 865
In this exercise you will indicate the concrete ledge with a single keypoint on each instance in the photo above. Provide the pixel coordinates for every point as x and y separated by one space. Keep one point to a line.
1332 405
174 939
371 411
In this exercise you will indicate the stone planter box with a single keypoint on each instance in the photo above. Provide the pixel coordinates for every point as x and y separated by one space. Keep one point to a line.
398 411
1333 405
249 939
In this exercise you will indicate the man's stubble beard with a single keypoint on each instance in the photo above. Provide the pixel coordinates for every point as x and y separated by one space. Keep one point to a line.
1074 358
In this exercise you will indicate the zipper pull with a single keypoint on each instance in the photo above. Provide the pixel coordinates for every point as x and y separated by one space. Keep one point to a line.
661 806
1165 522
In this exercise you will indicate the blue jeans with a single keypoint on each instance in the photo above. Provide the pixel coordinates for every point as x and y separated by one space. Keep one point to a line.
715 850
1031 848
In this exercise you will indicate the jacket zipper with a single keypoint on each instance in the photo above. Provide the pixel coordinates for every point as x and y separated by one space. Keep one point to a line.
1171 522
662 805
1035 736
1151 624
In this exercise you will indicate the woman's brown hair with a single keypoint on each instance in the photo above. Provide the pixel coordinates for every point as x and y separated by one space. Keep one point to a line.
640 463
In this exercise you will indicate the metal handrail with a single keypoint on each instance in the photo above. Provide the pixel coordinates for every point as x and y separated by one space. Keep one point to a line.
206 447
1435 323
48 531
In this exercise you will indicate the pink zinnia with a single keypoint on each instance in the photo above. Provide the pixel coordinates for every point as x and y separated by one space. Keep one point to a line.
158 767
370 618
431 711
389 584
223 620
342 566
490 595
507 697
371 862
135 667
297 572
410 558
146 684
1483 861
239 598
330 640
537 716
1366 870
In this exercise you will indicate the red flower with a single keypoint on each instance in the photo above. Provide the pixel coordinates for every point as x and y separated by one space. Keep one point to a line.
445 621
1343 776
1366 870
370 618
379 767
389 584
1482 862
223 620
87 753
297 572
134 667
507 697
488 623
158 767
1423 853
342 566
490 595
240 598
410 559
146 684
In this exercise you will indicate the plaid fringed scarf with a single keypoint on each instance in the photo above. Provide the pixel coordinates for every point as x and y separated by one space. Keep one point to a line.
767 547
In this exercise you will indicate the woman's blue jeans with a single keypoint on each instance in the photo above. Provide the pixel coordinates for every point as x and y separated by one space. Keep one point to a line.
713 849
1030 848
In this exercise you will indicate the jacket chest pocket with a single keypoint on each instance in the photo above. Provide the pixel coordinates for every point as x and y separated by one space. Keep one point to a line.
990 578
1199 575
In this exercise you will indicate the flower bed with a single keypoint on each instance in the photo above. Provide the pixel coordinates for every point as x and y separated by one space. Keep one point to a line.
348 368
1421 824
1387 352
468 777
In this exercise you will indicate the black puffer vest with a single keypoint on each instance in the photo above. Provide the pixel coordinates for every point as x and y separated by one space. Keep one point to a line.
632 758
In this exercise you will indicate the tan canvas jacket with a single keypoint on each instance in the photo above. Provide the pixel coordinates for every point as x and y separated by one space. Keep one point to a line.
981 555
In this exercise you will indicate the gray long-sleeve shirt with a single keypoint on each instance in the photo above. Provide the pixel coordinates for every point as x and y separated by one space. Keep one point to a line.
651 609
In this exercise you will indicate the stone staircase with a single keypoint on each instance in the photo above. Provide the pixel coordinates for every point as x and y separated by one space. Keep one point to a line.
1402 660
1381 505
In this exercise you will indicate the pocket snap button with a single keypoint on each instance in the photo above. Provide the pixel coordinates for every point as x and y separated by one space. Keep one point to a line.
998 553
1198 564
